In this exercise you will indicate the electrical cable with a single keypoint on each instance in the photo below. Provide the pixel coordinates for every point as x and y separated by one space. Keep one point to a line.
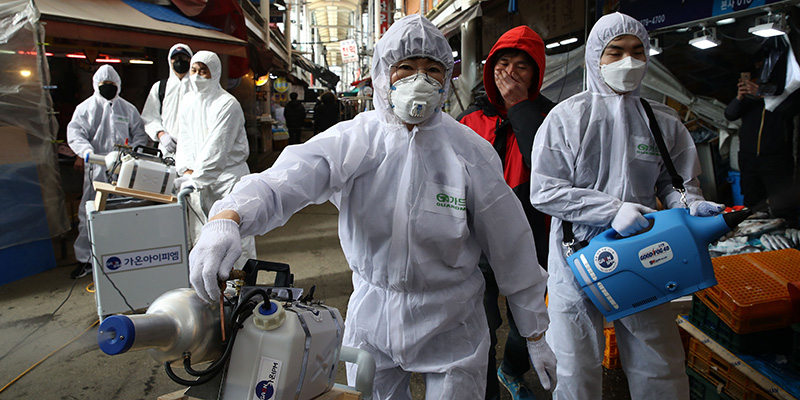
91 285
566 72
240 313
103 270
52 314
48 356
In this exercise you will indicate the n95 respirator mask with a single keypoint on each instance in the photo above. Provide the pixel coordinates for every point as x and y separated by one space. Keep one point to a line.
414 99
624 75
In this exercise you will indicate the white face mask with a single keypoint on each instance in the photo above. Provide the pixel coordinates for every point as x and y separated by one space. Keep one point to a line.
414 99
200 83
624 75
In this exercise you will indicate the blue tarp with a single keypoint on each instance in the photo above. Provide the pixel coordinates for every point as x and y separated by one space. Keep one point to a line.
166 14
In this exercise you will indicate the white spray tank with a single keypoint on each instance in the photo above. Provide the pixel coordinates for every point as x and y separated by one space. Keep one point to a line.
285 349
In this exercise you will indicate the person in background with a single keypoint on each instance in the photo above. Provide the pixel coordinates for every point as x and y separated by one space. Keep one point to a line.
326 112
508 117
160 113
591 166
295 115
213 150
420 196
766 143
98 123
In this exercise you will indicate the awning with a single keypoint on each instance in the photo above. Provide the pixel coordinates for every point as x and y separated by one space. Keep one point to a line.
112 21
449 23
324 75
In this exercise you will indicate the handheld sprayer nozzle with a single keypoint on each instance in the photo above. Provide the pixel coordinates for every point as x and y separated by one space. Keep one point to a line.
732 219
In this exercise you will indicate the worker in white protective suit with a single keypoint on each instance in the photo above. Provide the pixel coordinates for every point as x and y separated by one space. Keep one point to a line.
213 150
419 197
98 123
160 113
596 164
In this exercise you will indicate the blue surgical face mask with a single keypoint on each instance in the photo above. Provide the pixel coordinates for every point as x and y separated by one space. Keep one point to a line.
416 98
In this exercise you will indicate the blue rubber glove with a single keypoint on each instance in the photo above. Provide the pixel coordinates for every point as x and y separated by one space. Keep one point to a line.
702 208
630 218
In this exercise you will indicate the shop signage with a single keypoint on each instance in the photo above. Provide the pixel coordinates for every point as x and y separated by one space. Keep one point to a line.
666 13
349 50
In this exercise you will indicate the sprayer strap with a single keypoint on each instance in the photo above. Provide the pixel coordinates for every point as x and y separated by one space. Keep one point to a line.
677 180
568 240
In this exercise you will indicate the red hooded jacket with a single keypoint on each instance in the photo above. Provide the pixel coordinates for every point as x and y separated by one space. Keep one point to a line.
511 131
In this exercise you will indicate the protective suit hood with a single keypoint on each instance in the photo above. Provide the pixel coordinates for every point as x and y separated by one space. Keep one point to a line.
211 60
105 73
604 31
172 73
411 36
521 38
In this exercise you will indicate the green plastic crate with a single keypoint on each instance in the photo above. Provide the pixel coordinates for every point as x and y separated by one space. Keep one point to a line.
776 341
701 389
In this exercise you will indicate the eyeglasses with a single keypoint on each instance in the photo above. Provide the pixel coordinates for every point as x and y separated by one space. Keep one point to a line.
407 68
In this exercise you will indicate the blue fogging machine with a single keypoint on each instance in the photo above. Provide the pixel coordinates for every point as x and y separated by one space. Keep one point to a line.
667 260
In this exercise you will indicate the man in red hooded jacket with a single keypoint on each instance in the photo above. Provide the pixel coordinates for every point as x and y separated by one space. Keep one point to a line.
508 116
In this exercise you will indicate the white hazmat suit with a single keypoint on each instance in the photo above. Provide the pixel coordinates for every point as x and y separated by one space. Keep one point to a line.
593 152
213 141
163 116
416 208
96 126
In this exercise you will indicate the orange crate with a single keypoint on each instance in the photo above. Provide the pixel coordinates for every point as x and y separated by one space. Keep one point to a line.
751 295
611 354
722 374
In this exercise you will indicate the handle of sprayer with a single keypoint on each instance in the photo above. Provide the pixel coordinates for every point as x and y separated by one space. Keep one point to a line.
283 276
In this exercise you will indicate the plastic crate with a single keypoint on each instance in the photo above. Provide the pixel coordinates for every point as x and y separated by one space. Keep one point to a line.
794 356
611 354
751 294
701 389
777 341
722 375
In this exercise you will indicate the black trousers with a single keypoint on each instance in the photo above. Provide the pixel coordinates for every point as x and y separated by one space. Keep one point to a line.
515 355
769 177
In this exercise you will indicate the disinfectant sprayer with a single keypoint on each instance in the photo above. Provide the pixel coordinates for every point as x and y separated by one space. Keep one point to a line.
667 260
278 345
142 168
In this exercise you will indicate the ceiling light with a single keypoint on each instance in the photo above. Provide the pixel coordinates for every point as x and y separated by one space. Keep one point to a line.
455 54
654 48
726 21
552 45
76 55
705 39
769 26
25 73
682 30
108 60
144 62
568 41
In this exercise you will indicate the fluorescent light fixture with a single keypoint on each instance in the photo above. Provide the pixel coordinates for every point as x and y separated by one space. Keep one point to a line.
726 21
108 60
76 55
769 29
143 62
705 39
654 48
552 45
455 54
568 41
25 73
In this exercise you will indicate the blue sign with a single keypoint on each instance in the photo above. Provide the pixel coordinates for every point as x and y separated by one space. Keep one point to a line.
666 13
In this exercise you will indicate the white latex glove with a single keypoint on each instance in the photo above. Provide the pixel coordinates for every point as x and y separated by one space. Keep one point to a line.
182 182
212 258
702 208
168 142
630 218
544 362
